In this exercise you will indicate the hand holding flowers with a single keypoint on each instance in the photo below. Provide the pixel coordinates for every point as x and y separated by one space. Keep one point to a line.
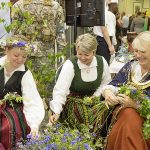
135 97
130 96
110 98
34 132
126 100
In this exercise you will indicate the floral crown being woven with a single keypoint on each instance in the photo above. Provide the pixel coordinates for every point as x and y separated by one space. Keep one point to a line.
18 41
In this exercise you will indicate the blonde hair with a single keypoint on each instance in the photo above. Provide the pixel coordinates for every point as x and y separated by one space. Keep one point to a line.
142 41
86 42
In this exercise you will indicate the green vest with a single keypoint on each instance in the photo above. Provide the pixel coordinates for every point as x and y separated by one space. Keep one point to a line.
86 88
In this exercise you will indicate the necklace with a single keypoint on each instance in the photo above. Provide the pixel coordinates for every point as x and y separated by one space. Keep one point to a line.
88 70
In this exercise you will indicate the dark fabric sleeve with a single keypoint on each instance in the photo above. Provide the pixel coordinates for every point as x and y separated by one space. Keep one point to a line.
122 76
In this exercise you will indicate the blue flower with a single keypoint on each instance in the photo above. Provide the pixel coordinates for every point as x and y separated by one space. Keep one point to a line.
47 138
66 134
64 140
21 44
28 143
93 134
53 145
73 142
48 147
86 146
58 125
78 139
29 136
134 91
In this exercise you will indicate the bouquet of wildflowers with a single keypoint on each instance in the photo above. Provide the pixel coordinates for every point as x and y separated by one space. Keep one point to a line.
143 105
60 137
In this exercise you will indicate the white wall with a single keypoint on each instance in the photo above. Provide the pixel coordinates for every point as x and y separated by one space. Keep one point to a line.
127 5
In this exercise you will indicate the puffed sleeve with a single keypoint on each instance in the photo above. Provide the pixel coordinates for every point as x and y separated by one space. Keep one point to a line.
106 78
33 104
61 89
120 79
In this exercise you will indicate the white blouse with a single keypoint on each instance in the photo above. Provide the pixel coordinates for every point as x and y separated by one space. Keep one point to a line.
88 73
33 105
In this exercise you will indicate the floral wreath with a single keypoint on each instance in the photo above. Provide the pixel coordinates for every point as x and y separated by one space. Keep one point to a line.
29 48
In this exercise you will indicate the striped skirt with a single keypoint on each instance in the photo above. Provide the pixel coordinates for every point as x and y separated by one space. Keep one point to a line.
76 113
13 126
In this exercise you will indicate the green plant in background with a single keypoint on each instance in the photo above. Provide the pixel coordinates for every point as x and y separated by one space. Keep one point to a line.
45 75
4 6
18 24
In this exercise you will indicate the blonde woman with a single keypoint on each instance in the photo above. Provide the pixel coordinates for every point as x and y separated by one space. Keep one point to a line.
24 117
126 133
82 75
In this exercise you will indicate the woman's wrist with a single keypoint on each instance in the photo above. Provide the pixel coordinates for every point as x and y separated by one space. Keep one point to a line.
52 113
106 91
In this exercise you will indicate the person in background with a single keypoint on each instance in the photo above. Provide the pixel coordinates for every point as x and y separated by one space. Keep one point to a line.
118 30
82 75
46 30
130 37
26 116
147 21
130 21
126 132
137 24
125 24
105 34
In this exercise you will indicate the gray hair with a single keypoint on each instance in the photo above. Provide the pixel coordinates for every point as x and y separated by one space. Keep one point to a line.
142 41
86 42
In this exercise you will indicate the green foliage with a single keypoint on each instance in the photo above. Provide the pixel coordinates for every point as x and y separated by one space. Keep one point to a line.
2 5
11 98
45 75
2 20
58 137
21 24
143 103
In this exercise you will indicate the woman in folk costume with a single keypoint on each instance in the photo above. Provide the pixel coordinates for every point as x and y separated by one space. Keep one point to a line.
126 132
24 117
82 75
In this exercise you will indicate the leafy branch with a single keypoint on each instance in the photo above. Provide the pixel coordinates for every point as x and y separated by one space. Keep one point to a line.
11 98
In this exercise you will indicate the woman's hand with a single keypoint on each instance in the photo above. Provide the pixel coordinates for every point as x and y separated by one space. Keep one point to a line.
126 100
34 133
112 50
110 98
52 118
